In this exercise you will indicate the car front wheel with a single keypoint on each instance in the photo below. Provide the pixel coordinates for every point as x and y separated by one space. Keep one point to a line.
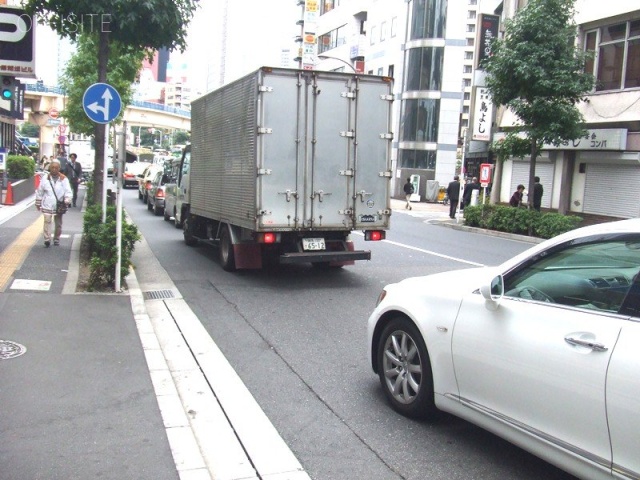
404 369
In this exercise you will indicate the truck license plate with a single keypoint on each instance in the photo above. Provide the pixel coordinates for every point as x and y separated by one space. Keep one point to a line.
313 244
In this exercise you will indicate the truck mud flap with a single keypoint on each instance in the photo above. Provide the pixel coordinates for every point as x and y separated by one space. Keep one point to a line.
312 257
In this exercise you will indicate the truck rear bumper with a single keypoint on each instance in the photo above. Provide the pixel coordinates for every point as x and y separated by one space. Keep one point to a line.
325 256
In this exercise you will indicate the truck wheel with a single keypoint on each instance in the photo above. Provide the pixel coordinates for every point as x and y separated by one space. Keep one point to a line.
149 206
225 251
156 210
189 239
165 215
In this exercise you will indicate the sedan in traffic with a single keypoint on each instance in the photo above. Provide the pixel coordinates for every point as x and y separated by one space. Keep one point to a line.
156 193
542 350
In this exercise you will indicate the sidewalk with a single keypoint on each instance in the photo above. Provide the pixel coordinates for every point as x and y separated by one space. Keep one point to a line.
117 386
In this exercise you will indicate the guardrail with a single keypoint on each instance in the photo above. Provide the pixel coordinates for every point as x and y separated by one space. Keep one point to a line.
39 87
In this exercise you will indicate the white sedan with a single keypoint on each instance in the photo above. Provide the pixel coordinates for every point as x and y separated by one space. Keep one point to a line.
543 350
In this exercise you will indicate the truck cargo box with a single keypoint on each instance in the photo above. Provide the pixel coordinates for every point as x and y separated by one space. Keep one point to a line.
288 149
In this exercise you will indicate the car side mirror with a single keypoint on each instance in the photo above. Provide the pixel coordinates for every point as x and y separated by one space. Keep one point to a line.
493 292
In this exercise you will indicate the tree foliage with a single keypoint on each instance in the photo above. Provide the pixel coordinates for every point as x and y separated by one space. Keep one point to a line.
141 24
81 72
537 72
144 24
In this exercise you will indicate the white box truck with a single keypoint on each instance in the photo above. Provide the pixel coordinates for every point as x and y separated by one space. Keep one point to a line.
284 164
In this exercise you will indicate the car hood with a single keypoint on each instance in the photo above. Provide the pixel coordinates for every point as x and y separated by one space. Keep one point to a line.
446 284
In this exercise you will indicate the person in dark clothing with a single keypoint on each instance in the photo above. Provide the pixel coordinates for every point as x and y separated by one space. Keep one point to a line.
408 191
453 192
468 191
516 198
74 174
538 190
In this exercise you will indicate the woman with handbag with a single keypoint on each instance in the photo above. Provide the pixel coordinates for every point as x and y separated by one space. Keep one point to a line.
53 197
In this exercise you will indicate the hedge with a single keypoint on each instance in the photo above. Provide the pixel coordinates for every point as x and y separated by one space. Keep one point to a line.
519 220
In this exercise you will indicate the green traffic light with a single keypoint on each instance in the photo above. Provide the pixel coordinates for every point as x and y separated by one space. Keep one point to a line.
6 94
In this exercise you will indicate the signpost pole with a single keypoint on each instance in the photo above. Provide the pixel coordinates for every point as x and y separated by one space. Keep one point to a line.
121 155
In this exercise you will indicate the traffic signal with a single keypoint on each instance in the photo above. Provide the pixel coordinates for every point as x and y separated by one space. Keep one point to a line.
8 87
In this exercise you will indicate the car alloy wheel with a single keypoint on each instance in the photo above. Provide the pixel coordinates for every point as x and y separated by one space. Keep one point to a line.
405 370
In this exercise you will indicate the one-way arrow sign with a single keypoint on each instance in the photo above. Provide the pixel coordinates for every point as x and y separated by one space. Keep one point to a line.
101 102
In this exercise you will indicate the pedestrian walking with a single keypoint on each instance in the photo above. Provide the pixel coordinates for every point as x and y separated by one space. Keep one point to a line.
53 196
408 191
516 198
74 174
468 191
538 191
453 191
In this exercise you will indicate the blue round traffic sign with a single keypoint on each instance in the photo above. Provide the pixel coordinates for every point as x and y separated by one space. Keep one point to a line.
101 102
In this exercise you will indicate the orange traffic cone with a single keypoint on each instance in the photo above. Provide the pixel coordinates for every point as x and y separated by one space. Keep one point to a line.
8 199
36 180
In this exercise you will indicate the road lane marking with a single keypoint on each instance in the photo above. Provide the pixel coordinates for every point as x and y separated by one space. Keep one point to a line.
13 256
430 252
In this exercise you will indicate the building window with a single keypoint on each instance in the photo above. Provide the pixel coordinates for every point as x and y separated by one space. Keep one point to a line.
380 71
417 159
372 35
383 31
468 55
420 120
428 19
424 68
394 26
466 82
391 71
470 42
617 62
471 27
467 96
326 6
332 39
466 69
471 14
473 2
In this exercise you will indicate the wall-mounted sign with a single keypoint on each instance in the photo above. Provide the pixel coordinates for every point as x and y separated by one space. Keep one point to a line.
17 46
482 115
487 31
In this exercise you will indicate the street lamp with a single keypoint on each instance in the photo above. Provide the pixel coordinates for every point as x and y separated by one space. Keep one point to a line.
328 57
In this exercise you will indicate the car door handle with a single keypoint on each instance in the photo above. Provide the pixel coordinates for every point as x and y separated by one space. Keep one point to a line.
598 347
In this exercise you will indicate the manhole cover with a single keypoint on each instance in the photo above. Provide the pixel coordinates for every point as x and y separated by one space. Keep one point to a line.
10 349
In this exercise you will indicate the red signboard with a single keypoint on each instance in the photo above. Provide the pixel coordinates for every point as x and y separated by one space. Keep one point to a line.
485 174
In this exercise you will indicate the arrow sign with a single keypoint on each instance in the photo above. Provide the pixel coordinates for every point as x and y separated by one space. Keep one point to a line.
101 102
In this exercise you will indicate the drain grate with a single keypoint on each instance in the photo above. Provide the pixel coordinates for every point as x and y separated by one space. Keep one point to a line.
158 294
10 349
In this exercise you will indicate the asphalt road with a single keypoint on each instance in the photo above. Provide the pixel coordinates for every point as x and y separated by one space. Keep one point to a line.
296 335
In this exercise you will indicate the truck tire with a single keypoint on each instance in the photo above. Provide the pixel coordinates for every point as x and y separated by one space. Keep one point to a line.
225 251
165 215
157 210
188 227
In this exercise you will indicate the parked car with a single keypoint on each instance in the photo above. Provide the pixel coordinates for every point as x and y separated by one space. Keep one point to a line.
145 178
155 193
131 172
541 350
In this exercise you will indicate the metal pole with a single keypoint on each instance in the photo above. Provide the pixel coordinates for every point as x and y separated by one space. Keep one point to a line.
104 174
121 154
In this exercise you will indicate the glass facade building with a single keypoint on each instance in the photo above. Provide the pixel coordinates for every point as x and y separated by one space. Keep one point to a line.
424 61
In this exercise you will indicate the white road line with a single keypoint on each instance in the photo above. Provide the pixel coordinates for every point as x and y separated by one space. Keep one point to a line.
429 252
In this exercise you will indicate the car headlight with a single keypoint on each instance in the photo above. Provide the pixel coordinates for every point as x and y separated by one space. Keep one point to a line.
383 294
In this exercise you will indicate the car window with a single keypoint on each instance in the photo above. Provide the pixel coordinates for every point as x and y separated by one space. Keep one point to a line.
596 274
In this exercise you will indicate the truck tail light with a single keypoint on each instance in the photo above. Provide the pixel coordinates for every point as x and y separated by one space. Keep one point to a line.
148 186
160 193
374 235
268 237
